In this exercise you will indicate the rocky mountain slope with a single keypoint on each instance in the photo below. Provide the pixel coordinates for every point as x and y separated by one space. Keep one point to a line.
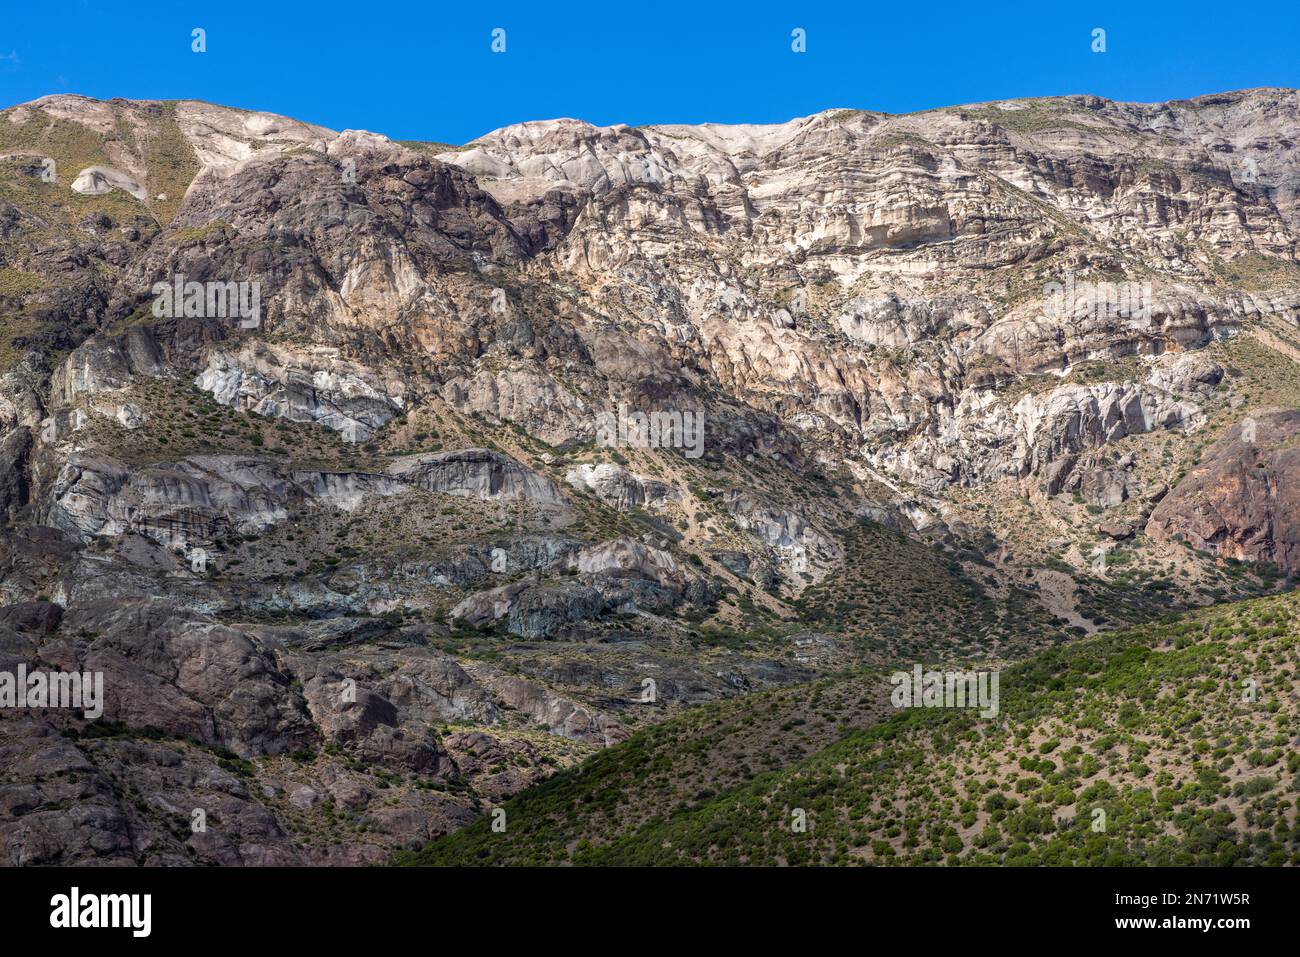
381 480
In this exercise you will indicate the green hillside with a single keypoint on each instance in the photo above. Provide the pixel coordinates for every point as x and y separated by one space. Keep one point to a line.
1153 726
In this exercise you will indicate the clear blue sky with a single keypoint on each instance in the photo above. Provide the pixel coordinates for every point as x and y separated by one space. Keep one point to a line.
426 70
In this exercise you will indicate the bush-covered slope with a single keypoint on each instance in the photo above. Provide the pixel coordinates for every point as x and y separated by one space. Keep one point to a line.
1170 743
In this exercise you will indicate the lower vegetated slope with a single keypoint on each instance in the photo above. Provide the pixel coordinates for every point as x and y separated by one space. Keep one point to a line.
1171 743
383 481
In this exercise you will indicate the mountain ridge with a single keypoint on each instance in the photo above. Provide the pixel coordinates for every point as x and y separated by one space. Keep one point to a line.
1206 99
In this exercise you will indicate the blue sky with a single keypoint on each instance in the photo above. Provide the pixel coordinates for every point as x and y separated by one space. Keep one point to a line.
426 70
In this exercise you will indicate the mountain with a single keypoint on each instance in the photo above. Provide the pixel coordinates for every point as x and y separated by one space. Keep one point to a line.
381 481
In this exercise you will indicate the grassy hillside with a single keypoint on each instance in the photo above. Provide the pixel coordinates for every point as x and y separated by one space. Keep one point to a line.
1154 726
679 764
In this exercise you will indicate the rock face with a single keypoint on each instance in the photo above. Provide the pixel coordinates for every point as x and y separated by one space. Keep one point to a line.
561 716
1093 479
986 439
801 547
163 669
197 500
15 447
189 705
619 488
477 473
536 402
1242 501
313 387
621 575
202 499
98 180
105 364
